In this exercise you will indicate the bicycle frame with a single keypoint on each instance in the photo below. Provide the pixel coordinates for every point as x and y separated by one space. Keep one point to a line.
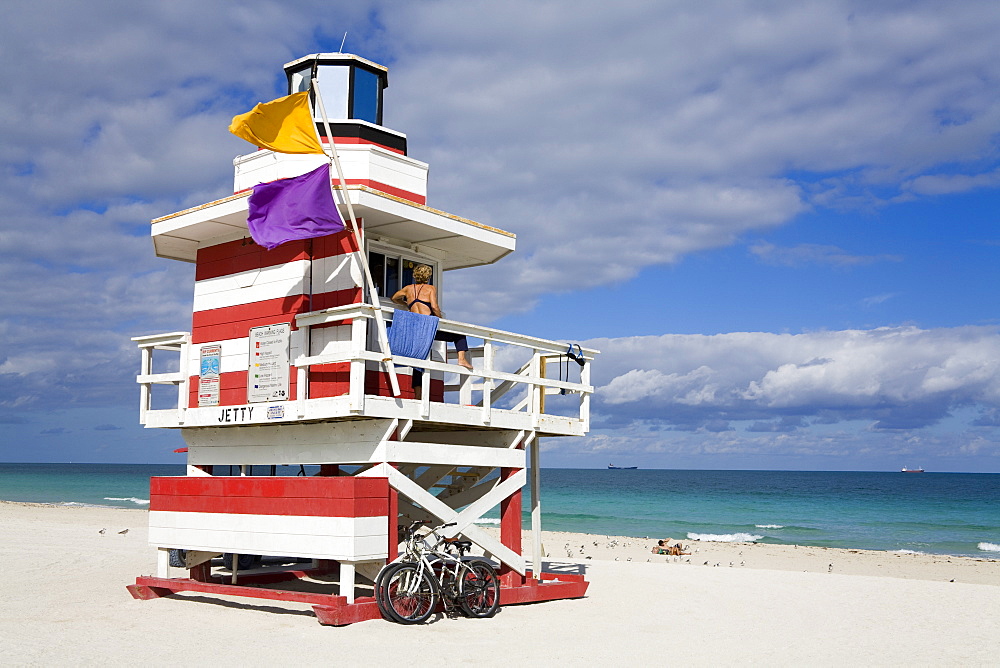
442 565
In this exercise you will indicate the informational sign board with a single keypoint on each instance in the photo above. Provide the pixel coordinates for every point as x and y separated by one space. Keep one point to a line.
208 375
269 358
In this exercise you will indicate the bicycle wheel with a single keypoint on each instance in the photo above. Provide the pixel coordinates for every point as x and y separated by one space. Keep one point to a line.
479 590
408 594
380 590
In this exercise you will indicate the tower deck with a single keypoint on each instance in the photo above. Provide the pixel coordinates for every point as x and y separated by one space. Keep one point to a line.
288 362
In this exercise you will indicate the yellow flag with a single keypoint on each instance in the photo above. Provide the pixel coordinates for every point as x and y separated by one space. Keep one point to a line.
284 125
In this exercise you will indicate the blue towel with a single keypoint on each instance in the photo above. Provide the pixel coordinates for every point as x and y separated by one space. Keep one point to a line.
412 334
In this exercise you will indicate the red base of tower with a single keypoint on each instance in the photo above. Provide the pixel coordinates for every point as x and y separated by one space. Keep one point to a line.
334 610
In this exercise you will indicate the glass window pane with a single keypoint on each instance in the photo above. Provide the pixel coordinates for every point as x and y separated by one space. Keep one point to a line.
391 276
365 95
334 81
300 80
376 262
408 266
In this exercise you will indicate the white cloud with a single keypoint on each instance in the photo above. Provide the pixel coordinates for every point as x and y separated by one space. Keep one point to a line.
683 140
610 137
891 377
805 254
945 184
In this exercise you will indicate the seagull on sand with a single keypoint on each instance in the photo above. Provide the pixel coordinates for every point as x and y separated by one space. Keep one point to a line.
123 531
102 531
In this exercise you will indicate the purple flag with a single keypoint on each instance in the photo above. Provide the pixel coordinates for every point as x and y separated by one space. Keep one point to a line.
297 208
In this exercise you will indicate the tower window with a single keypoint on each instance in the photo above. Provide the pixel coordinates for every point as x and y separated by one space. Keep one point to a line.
391 271
365 98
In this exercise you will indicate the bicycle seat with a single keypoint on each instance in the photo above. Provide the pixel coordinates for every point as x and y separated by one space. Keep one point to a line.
460 545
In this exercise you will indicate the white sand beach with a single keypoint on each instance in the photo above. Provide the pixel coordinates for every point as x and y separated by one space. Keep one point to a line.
63 601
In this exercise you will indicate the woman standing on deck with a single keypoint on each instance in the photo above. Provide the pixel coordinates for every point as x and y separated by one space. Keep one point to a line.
421 297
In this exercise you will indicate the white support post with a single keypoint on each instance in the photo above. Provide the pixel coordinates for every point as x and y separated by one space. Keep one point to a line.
536 391
425 394
536 509
488 352
145 396
183 395
301 338
585 396
465 389
301 389
359 339
163 562
347 580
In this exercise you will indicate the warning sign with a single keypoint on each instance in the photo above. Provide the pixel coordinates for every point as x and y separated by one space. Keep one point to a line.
208 375
269 358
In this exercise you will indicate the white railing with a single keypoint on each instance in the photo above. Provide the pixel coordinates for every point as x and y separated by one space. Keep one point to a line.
481 389
175 342
492 384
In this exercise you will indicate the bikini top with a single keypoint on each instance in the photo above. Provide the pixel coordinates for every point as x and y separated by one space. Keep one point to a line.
416 293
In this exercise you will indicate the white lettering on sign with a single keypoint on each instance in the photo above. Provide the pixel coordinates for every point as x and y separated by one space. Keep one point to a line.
268 377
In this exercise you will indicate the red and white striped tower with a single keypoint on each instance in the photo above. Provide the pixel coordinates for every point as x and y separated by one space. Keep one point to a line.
282 367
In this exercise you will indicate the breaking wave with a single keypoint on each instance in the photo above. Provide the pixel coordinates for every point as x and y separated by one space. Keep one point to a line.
725 537
138 502
989 547
770 526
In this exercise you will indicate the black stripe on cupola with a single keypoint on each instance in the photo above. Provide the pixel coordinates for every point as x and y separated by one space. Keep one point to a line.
352 94
365 133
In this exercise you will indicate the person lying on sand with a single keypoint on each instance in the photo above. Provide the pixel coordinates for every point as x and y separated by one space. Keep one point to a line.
664 547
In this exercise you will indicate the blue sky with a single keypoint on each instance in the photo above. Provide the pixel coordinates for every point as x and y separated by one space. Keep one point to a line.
777 221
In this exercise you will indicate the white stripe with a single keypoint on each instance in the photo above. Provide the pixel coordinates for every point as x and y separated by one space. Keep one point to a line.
351 538
247 287
330 274
330 340
337 272
236 352
315 547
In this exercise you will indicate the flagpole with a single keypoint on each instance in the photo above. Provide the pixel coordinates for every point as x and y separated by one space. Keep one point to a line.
383 337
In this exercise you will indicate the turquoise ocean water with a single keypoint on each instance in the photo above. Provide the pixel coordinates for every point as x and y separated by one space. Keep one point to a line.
942 513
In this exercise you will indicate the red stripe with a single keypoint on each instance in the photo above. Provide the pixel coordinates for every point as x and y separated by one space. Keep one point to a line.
270 486
234 322
325 380
329 380
234 257
389 190
322 300
377 383
233 388
358 140
243 505
335 244
243 255
376 185
267 308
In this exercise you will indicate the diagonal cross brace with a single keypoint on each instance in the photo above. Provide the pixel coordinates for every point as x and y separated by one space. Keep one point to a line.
464 520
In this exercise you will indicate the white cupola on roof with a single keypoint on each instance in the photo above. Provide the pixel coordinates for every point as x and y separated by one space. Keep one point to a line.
352 95
352 86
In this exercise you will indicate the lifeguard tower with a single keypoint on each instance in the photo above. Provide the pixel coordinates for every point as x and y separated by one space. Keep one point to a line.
283 367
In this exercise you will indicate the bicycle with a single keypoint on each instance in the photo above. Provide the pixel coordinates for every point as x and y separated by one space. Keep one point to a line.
408 589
